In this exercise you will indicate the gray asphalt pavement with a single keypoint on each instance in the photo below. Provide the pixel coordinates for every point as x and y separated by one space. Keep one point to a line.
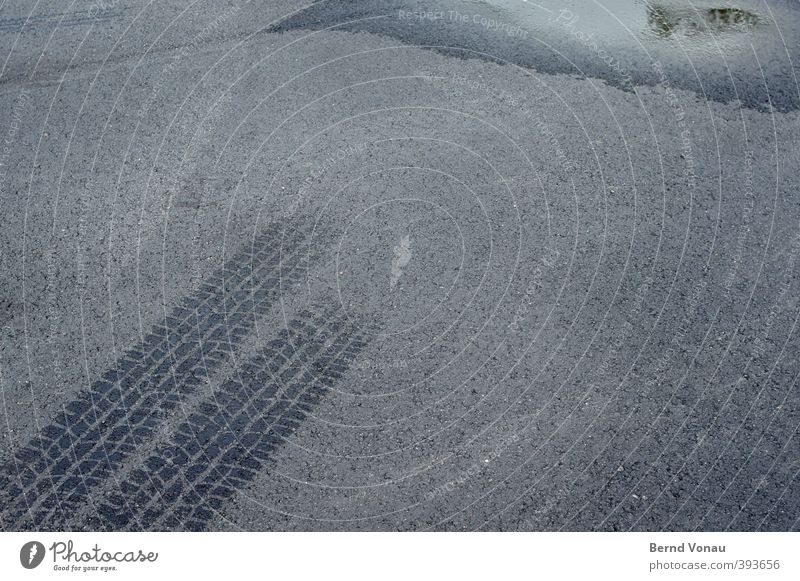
388 265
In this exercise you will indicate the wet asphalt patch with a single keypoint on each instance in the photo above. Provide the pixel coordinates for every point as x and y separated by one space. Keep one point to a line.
52 20
722 53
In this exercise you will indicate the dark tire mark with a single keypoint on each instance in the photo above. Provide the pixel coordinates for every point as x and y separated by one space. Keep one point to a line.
59 20
223 445
54 474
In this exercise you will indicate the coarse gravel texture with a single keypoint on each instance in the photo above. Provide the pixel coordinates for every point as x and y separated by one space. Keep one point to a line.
328 266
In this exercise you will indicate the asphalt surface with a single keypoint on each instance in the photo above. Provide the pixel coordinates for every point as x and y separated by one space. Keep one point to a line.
387 266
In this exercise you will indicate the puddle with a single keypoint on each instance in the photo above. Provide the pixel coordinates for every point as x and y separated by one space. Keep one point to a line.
660 25
722 50
669 22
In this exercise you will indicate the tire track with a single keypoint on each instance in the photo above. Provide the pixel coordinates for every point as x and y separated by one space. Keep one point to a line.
221 447
52 20
54 474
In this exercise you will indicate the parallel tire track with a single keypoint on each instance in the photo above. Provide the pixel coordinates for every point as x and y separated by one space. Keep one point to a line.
56 472
221 448
59 20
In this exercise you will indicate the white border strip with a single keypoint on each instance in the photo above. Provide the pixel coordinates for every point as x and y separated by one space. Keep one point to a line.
374 556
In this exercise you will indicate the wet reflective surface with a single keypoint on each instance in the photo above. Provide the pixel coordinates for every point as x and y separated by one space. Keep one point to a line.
666 23
724 51
705 31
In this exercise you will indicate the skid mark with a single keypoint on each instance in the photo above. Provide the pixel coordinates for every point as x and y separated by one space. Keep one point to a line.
55 473
221 447
59 20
